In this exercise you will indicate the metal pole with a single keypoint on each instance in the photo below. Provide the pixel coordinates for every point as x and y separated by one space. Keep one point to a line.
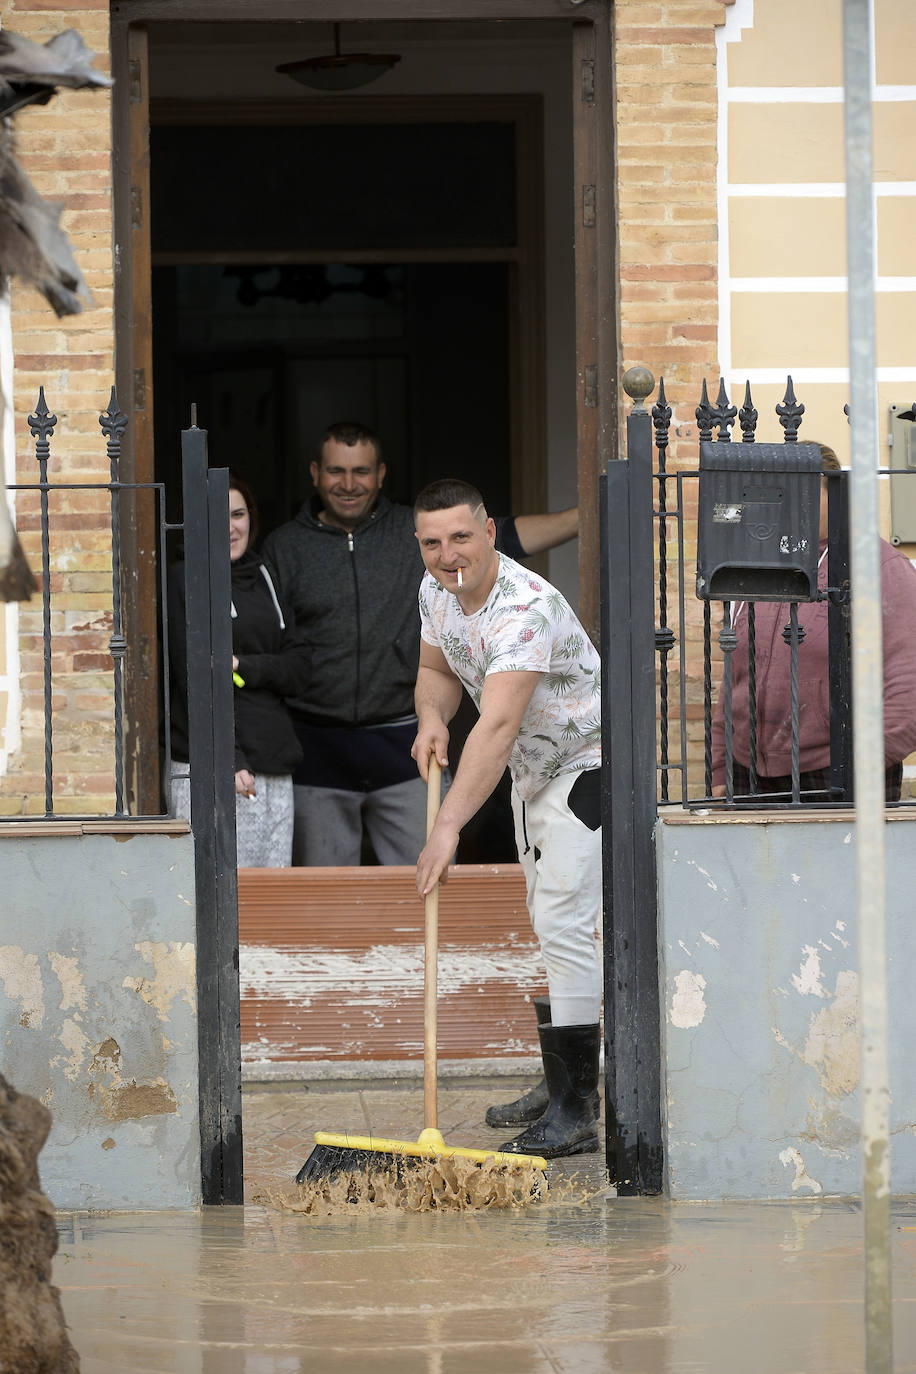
868 696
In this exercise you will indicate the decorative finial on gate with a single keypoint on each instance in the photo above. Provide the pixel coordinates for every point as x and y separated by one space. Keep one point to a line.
790 413
638 383
41 426
747 417
723 413
113 421
704 415
661 419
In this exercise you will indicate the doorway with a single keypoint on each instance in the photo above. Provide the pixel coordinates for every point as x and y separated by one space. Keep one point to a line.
443 282
271 355
390 281
542 65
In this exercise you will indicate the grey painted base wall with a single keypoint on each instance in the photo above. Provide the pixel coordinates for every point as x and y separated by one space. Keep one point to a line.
759 983
98 1013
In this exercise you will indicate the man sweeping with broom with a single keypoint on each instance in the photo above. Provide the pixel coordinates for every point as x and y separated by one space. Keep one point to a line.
513 642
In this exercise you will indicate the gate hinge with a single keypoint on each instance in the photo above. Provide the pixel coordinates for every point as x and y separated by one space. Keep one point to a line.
136 207
139 388
588 80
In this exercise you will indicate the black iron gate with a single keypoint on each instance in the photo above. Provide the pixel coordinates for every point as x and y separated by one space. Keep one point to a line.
212 766
211 737
631 996
653 706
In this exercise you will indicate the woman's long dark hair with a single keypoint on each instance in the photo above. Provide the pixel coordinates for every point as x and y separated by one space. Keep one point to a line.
237 483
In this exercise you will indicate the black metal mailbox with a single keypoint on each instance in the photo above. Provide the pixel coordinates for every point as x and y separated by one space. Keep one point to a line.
757 526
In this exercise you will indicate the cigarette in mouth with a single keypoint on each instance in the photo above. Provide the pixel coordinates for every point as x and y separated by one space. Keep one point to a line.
459 579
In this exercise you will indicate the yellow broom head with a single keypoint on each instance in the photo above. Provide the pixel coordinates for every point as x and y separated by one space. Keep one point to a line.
429 1145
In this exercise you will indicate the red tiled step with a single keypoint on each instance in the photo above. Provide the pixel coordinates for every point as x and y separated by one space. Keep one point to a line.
331 964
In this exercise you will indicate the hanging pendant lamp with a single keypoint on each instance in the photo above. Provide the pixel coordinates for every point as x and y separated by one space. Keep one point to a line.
340 71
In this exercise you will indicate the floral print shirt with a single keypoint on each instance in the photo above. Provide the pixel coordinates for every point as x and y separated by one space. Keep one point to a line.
525 626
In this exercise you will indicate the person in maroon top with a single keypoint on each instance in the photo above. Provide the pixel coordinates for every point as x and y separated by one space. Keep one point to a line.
774 706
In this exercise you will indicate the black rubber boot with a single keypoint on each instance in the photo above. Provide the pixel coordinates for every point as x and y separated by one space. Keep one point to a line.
569 1125
533 1103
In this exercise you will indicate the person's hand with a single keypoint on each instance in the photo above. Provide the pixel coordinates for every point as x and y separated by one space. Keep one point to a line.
432 865
244 783
235 663
431 739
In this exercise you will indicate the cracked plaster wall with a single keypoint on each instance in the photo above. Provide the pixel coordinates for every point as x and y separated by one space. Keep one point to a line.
759 984
98 1014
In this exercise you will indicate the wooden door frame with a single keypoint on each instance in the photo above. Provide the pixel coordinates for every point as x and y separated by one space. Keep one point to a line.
596 273
133 377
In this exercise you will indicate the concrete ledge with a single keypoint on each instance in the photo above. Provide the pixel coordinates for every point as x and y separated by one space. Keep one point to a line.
331 1070
766 815
34 827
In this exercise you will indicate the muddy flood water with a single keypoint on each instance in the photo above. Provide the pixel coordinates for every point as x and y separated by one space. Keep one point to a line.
583 1283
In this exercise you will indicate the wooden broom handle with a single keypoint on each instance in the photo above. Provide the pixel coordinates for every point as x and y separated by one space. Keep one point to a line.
430 958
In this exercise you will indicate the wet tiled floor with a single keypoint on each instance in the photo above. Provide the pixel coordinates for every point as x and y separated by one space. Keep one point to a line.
279 1123
579 1286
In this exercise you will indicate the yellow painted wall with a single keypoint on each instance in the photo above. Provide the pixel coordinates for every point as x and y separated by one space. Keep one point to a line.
799 144
790 42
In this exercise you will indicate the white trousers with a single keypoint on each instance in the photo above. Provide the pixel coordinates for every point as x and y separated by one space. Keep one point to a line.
561 860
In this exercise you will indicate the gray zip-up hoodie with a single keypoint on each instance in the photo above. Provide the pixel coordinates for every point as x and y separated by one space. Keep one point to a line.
355 597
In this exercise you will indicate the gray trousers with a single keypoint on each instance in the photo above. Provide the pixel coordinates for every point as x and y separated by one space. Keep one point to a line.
328 824
263 823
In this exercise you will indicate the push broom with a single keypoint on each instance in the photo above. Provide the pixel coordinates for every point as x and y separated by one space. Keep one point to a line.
337 1154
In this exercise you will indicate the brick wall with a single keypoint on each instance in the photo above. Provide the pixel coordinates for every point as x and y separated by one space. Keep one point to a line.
666 110
66 149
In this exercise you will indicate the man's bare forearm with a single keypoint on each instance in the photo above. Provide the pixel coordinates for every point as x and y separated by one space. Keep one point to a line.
536 533
483 760
436 694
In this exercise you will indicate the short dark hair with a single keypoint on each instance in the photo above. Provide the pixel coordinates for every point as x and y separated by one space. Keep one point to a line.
350 432
447 493
237 483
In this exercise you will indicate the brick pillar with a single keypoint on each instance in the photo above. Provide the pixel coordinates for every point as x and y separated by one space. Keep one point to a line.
65 147
666 111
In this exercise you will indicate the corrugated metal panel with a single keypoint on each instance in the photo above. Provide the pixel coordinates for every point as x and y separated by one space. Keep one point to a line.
331 964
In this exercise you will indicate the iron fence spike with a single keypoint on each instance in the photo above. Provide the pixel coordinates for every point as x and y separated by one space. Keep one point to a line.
661 420
704 414
790 413
42 422
723 413
747 417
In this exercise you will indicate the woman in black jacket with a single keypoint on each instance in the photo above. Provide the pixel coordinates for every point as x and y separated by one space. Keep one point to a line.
270 663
